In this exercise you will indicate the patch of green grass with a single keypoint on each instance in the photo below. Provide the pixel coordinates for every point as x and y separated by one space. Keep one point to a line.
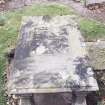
2 87
91 29
10 30
2 20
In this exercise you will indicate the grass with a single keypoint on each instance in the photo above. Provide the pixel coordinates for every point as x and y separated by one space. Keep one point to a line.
91 29
11 24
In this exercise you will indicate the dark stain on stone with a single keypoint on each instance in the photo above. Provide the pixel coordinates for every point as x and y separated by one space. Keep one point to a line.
46 18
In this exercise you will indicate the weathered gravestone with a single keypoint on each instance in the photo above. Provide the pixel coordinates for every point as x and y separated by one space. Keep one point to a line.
51 62
94 2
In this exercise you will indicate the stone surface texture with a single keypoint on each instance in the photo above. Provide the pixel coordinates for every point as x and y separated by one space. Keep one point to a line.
50 57
88 2
96 52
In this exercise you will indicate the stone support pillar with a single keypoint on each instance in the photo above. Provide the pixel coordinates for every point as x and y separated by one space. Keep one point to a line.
80 98
25 100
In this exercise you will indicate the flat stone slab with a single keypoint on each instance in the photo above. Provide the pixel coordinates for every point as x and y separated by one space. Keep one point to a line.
96 52
89 2
50 57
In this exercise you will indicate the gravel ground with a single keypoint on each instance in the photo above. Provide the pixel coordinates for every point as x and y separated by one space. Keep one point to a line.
98 14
